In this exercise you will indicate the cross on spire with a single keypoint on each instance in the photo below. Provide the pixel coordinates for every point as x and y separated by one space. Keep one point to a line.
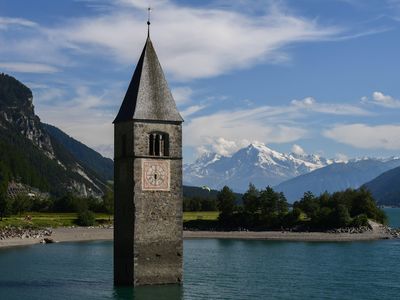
148 21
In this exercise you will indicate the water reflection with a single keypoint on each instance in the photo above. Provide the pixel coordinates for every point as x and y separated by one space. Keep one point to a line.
161 292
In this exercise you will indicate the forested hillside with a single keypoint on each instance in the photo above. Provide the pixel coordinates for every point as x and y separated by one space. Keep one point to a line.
34 154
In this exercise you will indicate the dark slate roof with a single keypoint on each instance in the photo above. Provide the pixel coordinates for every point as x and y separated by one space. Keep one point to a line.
148 96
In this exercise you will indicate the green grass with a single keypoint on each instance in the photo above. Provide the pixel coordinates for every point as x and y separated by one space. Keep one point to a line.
200 215
68 219
48 220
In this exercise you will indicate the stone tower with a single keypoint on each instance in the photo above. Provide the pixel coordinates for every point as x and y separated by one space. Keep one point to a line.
148 179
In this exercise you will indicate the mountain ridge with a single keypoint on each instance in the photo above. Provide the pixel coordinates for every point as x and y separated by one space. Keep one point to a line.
34 156
386 187
337 177
255 163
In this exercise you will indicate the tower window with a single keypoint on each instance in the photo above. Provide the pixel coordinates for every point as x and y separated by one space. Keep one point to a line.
158 144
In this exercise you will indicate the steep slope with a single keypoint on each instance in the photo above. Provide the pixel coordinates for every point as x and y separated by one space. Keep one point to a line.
386 188
256 163
30 155
336 177
86 156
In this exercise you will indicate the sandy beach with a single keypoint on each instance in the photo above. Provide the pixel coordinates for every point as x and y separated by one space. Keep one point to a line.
64 234
75 234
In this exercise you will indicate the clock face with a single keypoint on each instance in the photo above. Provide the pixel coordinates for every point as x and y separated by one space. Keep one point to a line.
155 175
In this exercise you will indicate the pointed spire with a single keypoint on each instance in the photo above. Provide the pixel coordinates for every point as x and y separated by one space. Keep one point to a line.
148 96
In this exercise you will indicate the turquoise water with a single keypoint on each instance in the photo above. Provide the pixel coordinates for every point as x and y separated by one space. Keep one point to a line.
213 269
393 216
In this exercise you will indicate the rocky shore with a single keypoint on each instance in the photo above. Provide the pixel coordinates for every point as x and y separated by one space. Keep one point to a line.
9 232
391 232
19 237
394 232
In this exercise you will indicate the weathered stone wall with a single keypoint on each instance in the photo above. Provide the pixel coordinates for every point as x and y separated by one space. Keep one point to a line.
158 214
148 224
124 216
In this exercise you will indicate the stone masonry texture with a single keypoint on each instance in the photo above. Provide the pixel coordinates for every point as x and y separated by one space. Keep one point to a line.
148 224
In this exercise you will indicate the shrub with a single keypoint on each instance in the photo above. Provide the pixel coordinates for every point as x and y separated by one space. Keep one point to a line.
360 220
86 218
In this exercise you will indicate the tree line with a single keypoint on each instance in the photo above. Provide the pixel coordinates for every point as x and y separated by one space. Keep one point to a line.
260 209
22 203
267 209
196 203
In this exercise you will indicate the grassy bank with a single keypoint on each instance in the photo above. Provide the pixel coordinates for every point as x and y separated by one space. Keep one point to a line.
36 220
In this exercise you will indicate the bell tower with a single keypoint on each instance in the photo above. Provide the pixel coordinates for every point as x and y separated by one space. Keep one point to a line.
148 179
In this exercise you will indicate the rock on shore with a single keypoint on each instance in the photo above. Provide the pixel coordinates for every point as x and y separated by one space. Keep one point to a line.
10 232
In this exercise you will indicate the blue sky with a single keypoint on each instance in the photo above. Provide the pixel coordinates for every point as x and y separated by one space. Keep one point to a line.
319 76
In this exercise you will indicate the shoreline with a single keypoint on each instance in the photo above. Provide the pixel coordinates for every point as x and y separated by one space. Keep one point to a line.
287 236
81 234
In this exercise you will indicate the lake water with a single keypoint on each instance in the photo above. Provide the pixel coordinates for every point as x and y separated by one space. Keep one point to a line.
393 216
213 269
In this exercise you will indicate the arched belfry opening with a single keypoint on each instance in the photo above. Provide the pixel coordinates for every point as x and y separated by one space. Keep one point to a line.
158 144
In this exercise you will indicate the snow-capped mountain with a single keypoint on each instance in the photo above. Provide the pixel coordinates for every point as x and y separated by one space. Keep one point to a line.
255 163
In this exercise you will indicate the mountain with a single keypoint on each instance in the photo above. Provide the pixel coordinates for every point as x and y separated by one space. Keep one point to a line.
336 177
386 188
42 156
255 163
87 157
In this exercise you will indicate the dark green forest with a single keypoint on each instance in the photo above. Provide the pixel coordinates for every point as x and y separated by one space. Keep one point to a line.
268 210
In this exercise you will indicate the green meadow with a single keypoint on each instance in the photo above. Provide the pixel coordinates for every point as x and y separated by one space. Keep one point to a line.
37 219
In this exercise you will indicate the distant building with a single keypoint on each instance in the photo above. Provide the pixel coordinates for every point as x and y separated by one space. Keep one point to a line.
15 189
148 179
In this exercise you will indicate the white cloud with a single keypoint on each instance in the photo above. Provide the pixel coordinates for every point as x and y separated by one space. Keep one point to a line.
192 42
191 110
296 149
340 157
221 146
379 98
182 95
224 147
251 124
310 104
45 93
306 102
86 117
23 67
6 22
272 124
366 137
200 150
